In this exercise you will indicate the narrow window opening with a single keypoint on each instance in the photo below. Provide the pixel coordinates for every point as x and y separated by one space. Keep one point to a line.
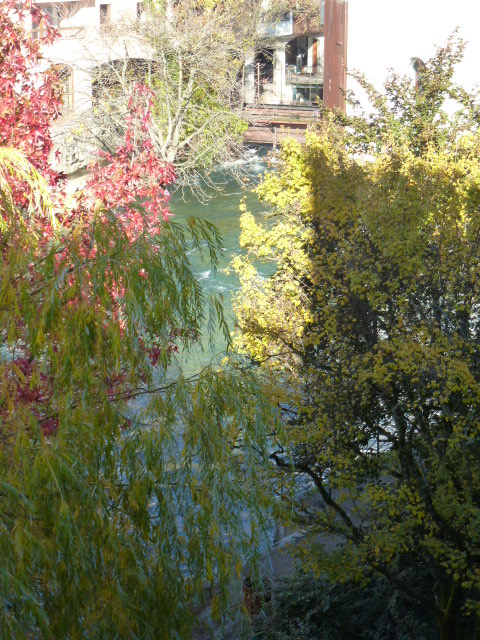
104 13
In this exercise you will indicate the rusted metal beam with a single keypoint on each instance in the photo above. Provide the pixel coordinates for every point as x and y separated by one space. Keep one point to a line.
335 73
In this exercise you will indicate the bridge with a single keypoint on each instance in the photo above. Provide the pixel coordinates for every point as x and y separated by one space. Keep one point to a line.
269 124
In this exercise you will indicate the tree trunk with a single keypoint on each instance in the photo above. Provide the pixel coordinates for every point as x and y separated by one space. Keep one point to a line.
446 628
447 621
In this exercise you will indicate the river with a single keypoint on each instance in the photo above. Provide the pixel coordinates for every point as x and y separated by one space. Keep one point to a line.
222 209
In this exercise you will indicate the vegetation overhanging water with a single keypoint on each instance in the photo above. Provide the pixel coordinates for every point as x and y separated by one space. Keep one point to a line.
223 210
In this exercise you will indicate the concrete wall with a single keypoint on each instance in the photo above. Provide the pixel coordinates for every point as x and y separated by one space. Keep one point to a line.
92 45
384 34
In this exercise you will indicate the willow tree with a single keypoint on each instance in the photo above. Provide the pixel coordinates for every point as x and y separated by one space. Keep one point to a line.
121 497
370 325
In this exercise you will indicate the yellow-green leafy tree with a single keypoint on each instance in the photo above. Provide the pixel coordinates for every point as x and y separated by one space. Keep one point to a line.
369 329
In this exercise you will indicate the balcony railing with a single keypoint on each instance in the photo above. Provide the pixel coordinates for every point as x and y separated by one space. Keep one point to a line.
306 76
67 33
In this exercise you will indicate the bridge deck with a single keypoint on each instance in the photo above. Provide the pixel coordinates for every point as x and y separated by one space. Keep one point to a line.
271 123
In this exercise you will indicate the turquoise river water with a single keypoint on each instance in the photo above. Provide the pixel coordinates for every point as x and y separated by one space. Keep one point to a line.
222 209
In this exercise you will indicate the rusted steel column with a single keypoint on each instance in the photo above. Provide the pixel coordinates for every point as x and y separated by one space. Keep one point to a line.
335 73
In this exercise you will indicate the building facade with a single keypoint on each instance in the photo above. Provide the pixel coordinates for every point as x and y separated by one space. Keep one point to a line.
301 62
369 36
287 66
297 63
93 36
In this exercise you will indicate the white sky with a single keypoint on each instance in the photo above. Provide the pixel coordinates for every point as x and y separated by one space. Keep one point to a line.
387 33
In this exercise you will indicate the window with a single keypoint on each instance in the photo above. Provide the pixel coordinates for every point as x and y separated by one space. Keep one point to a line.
104 13
296 52
64 85
106 84
52 15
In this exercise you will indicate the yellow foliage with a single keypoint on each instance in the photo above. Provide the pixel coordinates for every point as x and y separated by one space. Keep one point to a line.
372 316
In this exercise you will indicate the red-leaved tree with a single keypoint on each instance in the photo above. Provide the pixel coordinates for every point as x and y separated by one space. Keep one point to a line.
134 176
